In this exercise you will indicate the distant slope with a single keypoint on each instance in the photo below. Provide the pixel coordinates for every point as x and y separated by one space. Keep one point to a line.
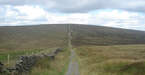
29 37
54 35
98 35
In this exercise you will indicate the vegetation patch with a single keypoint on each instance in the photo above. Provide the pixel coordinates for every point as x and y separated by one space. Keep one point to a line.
99 35
112 60
58 66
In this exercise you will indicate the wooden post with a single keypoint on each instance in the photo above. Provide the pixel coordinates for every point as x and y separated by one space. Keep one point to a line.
8 59
32 53
12 73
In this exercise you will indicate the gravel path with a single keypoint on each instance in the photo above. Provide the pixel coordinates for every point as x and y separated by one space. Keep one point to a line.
73 68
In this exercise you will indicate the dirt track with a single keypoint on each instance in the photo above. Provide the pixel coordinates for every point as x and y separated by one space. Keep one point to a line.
73 68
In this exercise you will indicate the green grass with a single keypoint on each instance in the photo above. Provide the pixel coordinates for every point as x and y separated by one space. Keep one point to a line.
44 66
58 66
16 53
112 60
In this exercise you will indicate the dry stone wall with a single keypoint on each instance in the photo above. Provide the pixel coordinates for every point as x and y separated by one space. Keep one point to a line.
25 63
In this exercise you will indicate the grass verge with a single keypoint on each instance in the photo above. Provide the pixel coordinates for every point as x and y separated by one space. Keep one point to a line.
58 66
112 60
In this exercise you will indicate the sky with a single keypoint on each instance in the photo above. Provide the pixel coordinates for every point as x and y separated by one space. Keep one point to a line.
129 14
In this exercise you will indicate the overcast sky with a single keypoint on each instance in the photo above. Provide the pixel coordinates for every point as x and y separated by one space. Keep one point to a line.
128 14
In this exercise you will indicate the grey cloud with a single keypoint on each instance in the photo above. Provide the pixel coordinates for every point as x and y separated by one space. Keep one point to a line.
81 5
70 6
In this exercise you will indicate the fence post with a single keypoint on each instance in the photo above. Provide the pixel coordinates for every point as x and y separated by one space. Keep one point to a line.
8 59
32 53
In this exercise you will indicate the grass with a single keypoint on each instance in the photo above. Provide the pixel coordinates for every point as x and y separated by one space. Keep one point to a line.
32 37
15 54
98 35
112 60
45 66
102 60
58 66
24 40
55 35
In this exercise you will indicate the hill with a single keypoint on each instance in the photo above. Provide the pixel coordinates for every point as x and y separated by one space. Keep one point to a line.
32 37
99 35
52 35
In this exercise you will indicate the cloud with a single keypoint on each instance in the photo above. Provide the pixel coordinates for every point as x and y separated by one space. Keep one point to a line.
30 12
80 5
121 19
27 15
128 14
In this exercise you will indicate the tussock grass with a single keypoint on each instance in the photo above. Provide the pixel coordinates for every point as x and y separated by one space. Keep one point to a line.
112 60
58 66
15 54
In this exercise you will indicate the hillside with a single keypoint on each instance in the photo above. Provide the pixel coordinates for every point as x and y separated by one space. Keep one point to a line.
99 35
46 36
117 59
32 37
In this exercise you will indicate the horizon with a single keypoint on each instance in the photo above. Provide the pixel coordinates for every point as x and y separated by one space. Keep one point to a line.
69 24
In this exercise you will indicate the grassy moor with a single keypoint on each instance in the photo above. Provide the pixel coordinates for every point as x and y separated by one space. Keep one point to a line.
99 50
